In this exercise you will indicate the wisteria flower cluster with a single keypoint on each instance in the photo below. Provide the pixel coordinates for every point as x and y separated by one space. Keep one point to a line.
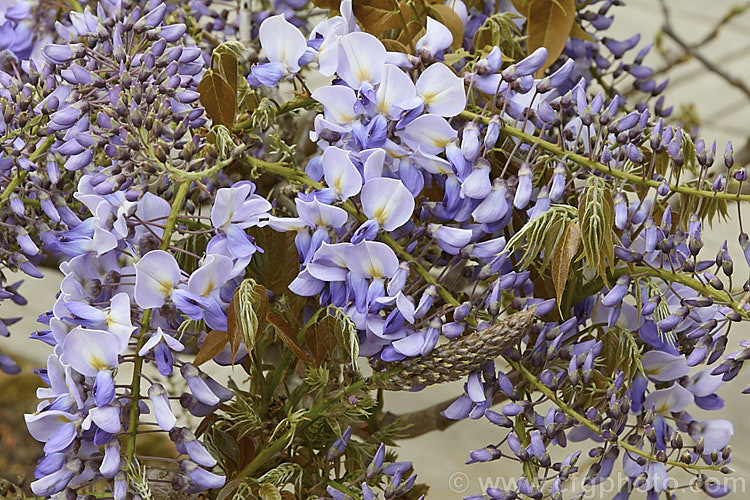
338 199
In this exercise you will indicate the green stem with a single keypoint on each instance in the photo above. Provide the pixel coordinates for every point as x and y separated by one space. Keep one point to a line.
300 102
135 384
592 426
196 176
582 160
596 284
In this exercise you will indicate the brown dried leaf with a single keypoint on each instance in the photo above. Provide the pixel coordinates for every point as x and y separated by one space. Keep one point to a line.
217 96
287 335
332 5
278 265
578 32
395 46
413 32
564 254
215 342
377 16
226 63
450 19
549 25
321 339
522 6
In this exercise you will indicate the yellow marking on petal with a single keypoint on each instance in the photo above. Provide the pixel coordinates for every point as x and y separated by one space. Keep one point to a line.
337 183
440 142
363 74
380 215
374 271
166 288
97 363
428 98
209 288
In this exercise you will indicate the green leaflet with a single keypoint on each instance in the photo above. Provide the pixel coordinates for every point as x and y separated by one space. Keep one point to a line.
596 218
541 234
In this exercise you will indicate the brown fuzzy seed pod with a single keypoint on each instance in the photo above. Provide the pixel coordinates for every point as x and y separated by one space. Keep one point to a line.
457 358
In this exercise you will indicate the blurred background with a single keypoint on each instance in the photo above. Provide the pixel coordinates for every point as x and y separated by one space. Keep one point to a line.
708 64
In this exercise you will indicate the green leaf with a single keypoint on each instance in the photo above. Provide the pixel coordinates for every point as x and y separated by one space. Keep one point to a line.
218 97
540 233
247 315
269 492
596 218
565 253
549 25
346 334
226 445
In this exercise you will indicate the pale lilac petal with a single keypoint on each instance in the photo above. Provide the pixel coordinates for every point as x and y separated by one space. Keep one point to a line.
704 383
282 42
89 351
361 59
227 203
395 88
211 276
42 426
162 410
371 259
388 202
61 439
338 102
374 161
442 91
431 133
198 386
716 433
156 275
111 462
459 409
340 173
673 399
410 345
405 306
315 213
107 418
305 285
152 341
329 263
663 367
173 343
436 39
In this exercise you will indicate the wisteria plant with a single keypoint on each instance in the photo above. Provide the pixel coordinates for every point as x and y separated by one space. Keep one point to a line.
334 200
